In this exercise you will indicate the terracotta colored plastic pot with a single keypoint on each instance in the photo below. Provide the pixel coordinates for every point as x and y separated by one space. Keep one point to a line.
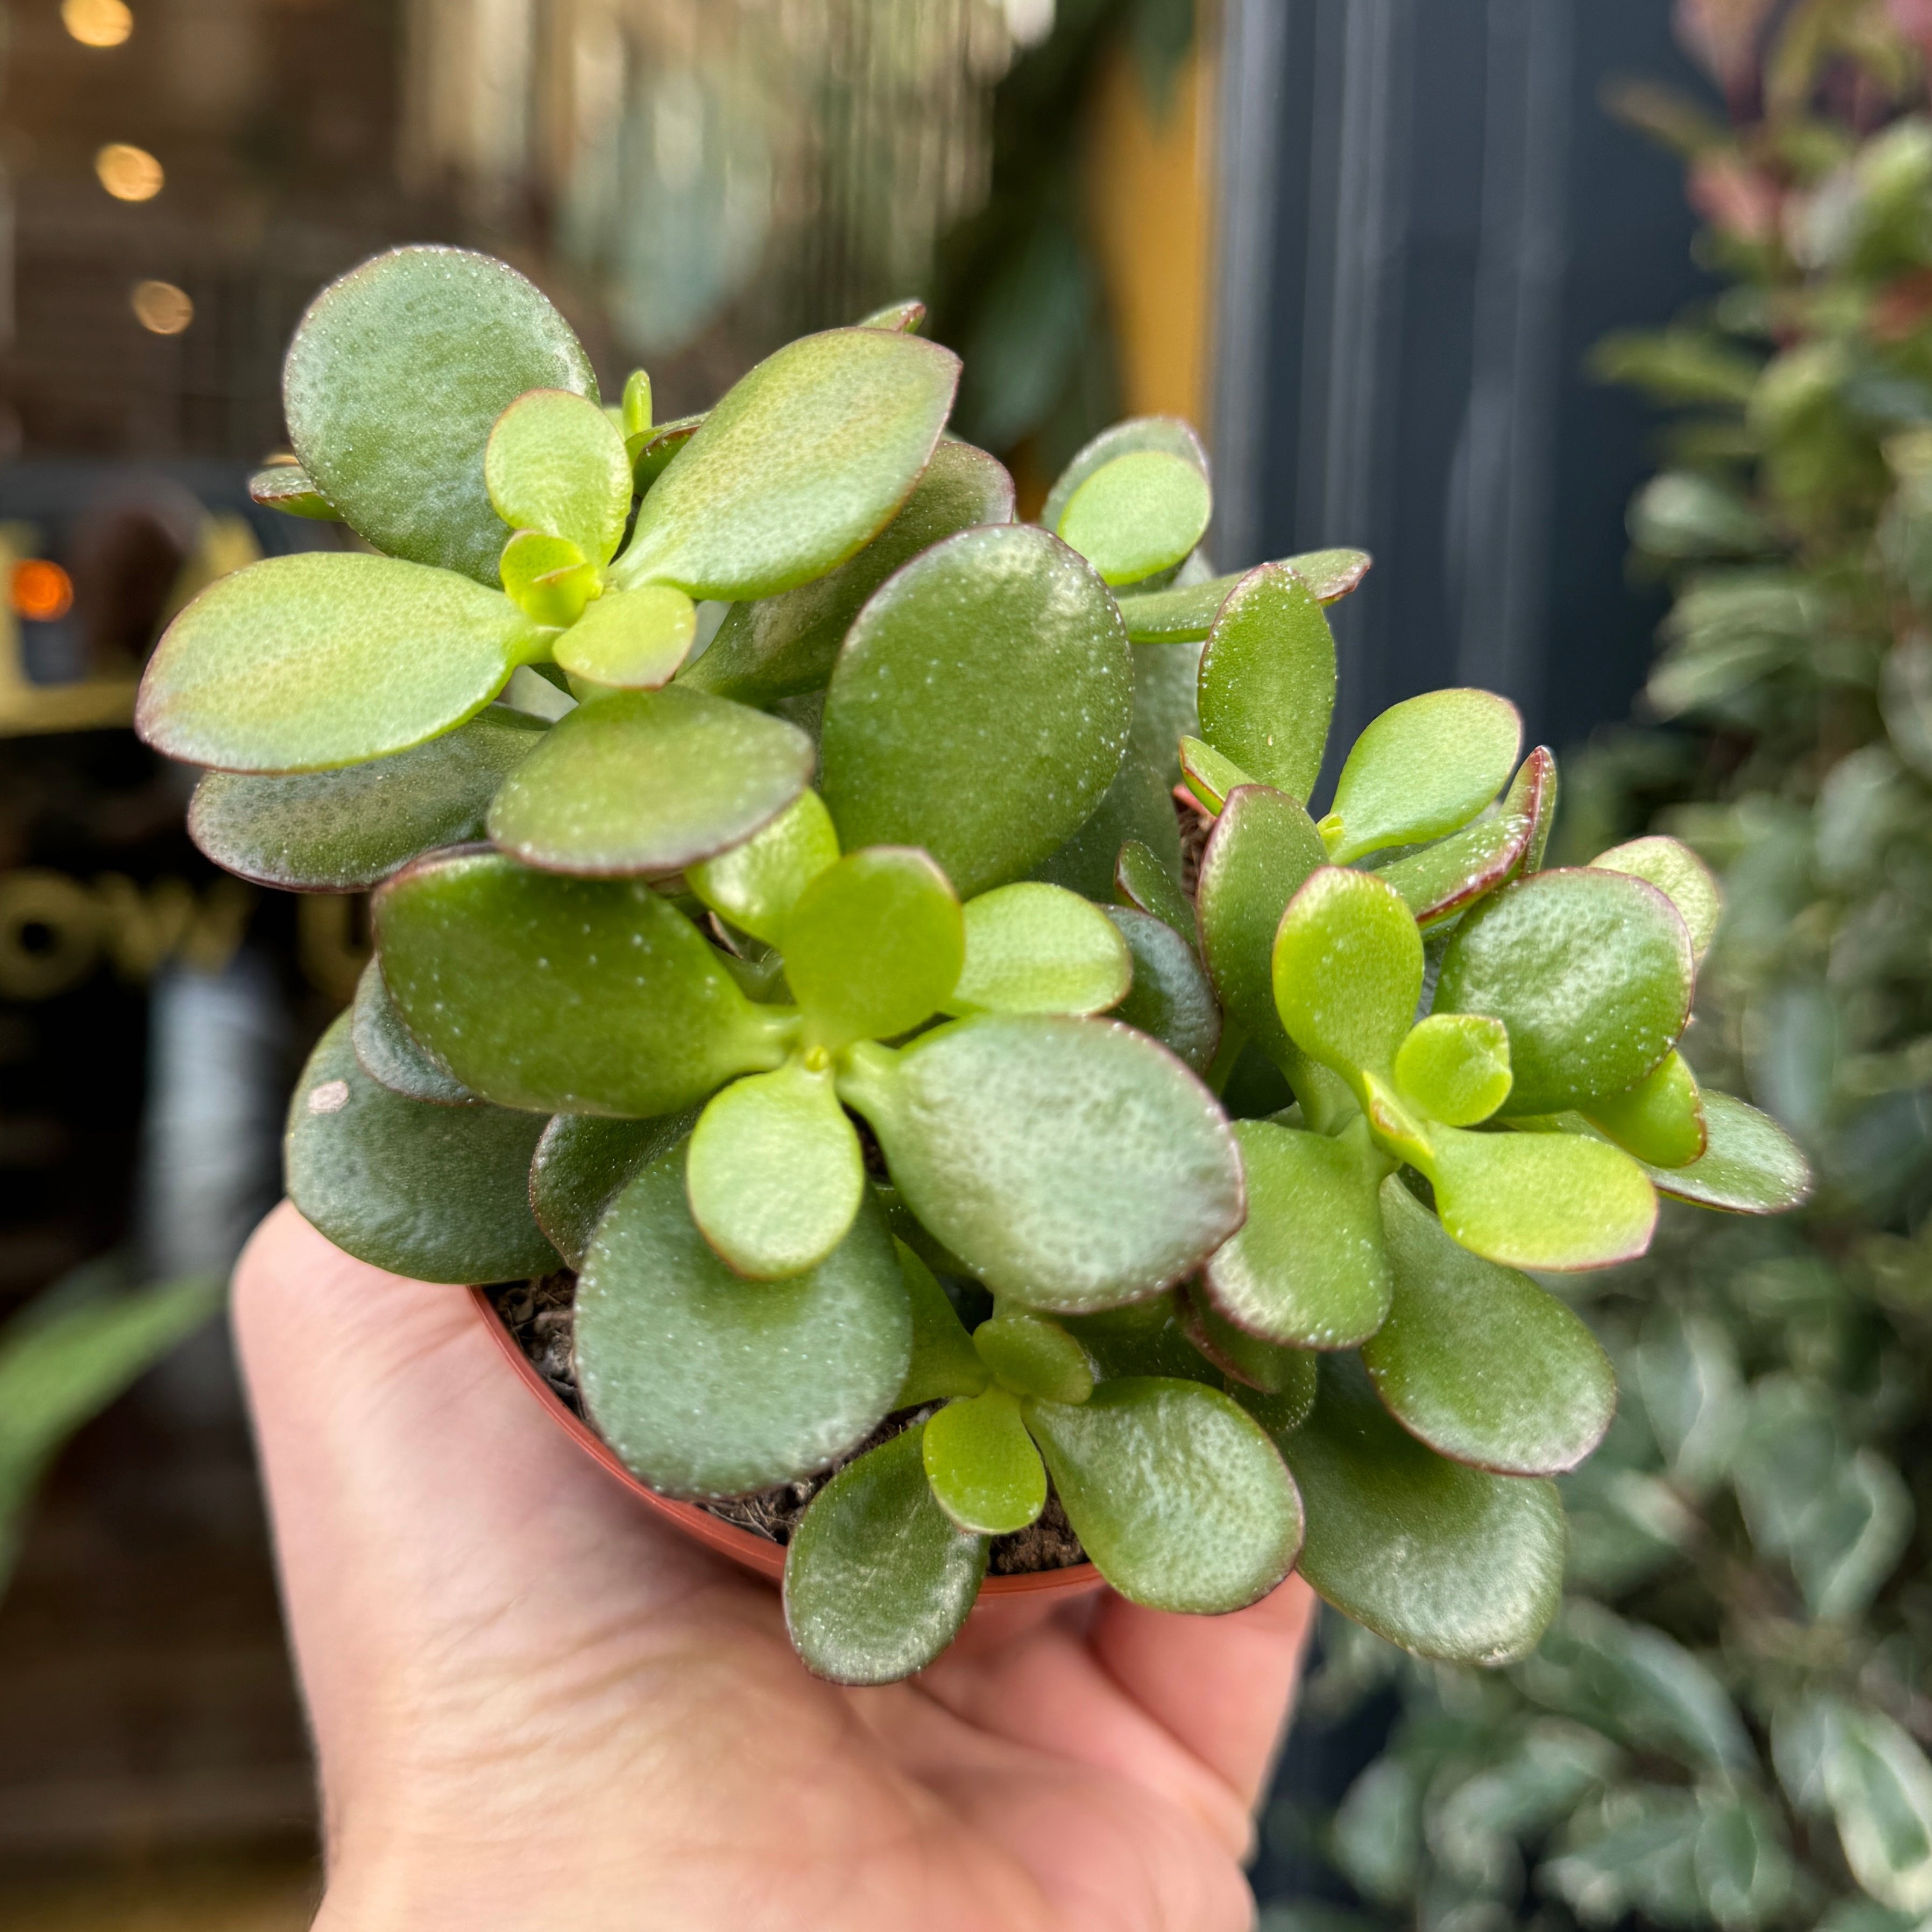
1001 1598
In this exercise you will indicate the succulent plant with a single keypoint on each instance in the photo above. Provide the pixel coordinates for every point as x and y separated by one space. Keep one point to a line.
801 991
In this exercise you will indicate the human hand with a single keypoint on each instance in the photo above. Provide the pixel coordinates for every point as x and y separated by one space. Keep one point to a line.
536 1705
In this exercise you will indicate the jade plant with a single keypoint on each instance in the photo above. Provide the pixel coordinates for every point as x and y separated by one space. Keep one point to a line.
781 924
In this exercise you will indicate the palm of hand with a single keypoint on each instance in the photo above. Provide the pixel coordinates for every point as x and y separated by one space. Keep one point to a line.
536 1706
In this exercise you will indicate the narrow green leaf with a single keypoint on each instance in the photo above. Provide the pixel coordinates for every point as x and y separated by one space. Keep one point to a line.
435 1193
583 1162
1070 1163
555 462
394 381
1212 778
630 640
1035 949
1140 880
1267 680
300 664
944 1362
1171 1000
1478 1361
1549 1202
1137 514
805 459
755 885
1455 1067
1661 1120
1422 768
640 1017
1175 1492
390 1055
1308 1269
1449 876
1680 875
1248 1362
878 1579
984 1470
874 945
649 781
1445 1561
1185 613
706 1386
1348 971
633 410
1591 972
1167 434
1033 1357
1749 1165
774 1172
980 706
288 487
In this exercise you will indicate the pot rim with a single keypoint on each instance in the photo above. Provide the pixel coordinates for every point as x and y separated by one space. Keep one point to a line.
756 1553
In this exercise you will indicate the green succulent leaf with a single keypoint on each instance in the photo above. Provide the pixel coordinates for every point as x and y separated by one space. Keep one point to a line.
873 946
805 459
630 640
1478 1361
1143 1338
1749 1165
650 451
633 409
641 1017
1262 850
1660 1121
346 830
1137 805
1307 1270
755 885
1166 708
1212 778
1447 1561
944 1362
1141 881
1137 514
1168 435
774 1172
903 318
1550 1201
555 462
583 1161
1073 1164
304 663
1031 1357
1248 1362
1449 876
984 1470
1281 1411
980 706
878 1579
1422 769
1175 1491
1455 1067
390 1055
1032 948
1591 972
288 487
1267 680
780 647
649 781
435 1193
394 381
548 578
706 1386
1680 875
1185 613
1171 1000
1348 971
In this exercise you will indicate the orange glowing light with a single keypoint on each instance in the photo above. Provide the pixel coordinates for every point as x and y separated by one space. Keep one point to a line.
40 590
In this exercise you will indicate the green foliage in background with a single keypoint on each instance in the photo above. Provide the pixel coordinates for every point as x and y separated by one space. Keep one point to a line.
1729 1725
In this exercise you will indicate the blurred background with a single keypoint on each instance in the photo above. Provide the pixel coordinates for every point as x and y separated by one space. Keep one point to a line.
1608 329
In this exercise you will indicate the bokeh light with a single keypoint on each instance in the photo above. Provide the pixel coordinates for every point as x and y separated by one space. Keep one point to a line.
97 23
162 308
129 173
39 590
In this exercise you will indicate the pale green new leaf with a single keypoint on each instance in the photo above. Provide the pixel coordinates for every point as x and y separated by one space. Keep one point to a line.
630 640
1267 680
1032 948
755 885
984 1470
555 462
1347 970
1137 514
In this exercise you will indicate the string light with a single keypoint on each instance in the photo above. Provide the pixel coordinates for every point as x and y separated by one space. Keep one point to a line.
97 23
39 590
129 173
162 308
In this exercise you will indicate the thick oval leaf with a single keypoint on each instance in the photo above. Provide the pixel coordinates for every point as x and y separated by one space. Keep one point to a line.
1031 1357
1308 1269
1661 1120
1170 998
944 1362
1680 875
1212 778
984 1470
1137 514
779 646
555 462
1552 1202
706 1386
649 781
288 487
874 945
1348 971
651 451
806 458
1262 850
1185 613
1455 1067
394 381
300 664
1449 876
1175 1493
1036 948
1749 1165
1139 806
878 1579
391 1055
1072 1164
1282 1411
1591 972
774 1172
1141 881
630 640
637 1016
1480 1362
345 831
1267 680
980 706
755 885
1447 1561
1250 1363
1169 434
905 318
583 1161
548 578
1422 768
435 1193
